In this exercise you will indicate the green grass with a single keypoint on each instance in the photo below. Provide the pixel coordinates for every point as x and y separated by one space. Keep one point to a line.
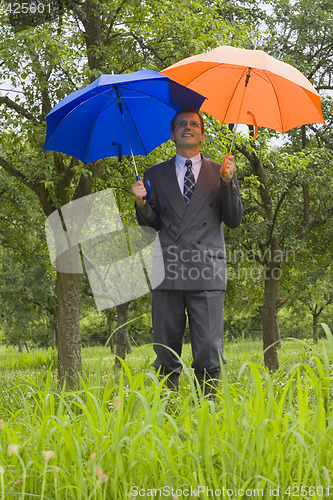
123 435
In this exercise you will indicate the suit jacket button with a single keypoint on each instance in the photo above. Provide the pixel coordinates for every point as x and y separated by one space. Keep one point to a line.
177 242
198 242
204 223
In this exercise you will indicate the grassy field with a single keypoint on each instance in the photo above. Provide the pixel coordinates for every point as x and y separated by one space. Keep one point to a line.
123 435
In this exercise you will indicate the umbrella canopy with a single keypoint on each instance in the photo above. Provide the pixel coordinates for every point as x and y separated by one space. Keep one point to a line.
277 95
117 115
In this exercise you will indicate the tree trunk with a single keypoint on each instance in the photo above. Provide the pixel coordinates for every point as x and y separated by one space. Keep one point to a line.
54 337
269 316
110 334
122 332
277 332
90 17
69 343
128 344
272 264
315 317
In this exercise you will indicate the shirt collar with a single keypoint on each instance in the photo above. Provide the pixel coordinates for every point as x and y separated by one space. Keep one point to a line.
196 161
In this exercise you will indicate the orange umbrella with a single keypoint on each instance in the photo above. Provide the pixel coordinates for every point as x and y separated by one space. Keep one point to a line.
249 87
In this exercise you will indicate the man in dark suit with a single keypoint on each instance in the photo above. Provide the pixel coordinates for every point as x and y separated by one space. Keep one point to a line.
189 200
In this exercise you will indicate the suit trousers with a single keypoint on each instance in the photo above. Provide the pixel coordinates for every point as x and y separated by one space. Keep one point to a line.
204 310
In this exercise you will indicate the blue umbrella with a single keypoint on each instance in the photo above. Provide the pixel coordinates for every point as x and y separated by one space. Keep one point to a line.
117 115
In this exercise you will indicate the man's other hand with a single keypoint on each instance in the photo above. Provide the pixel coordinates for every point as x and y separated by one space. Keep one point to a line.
229 169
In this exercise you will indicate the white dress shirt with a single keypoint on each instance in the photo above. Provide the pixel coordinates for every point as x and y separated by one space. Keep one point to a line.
181 169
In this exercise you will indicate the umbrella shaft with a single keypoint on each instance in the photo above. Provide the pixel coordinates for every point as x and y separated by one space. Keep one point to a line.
240 108
233 137
120 104
129 142
136 170
130 145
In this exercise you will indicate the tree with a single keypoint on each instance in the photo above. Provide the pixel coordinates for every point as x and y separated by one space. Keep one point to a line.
273 229
27 299
309 282
298 34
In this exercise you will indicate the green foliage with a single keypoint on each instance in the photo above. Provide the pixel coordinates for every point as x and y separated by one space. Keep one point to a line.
299 32
27 301
36 360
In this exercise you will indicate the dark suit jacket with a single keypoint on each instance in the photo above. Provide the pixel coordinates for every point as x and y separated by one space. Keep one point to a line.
191 237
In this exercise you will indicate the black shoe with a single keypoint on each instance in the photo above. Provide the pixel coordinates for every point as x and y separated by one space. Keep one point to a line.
172 382
208 383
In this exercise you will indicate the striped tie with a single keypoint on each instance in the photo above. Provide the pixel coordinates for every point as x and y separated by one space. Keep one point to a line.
189 182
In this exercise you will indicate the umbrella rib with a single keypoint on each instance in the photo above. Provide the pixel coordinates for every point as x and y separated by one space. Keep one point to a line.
74 109
135 127
237 85
212 68
235 88
143 94
234 91
278 103
93 124
140 95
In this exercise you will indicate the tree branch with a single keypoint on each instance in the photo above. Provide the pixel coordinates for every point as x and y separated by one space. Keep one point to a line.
120 6
144 47
16 173
323 137
278 206
86 182
319 221
306 202
19 109
37 187
44 307
263 188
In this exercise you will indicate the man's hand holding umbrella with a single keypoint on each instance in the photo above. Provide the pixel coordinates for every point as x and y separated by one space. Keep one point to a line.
227 169
139 192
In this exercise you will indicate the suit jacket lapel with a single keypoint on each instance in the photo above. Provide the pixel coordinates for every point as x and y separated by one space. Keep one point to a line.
169 183
205 184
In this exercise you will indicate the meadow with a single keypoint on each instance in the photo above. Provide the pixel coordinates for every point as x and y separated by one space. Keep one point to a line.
124 435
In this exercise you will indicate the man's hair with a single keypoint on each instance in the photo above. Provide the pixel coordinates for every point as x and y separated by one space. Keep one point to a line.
188 110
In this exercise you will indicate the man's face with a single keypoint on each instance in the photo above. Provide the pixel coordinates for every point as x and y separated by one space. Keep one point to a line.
187 133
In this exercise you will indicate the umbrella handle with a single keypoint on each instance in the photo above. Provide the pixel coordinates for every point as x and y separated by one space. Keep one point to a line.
224 165
148 187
